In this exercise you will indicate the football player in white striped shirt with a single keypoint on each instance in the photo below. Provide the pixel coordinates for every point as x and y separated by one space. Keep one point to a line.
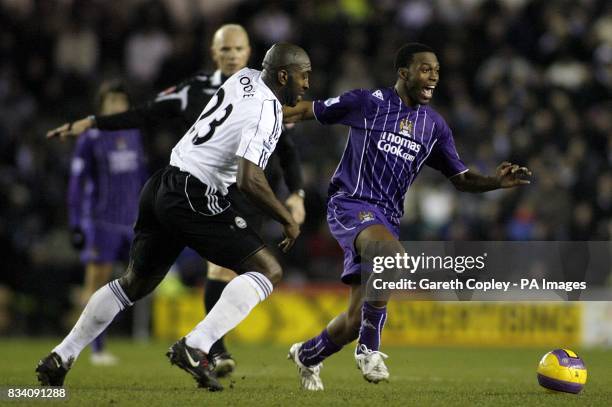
185 205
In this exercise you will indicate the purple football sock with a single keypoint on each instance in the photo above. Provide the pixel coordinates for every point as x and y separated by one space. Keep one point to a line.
97 345
313 351
372 322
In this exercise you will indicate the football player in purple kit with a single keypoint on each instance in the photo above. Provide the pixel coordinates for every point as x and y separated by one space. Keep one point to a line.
107 173
392 134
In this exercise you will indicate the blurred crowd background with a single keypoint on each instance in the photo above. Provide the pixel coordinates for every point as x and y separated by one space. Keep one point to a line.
525 81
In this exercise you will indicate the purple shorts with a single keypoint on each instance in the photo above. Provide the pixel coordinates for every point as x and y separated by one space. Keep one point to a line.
346 218
106 243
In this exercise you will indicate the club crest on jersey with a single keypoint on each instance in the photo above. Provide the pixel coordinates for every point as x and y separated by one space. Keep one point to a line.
240 222
378 94
365 216
406 127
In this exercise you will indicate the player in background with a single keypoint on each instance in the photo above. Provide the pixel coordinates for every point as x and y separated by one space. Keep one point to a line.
392 134
185 204
230 50
107 173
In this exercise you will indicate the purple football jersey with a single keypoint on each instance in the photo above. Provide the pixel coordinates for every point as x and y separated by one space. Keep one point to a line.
387 146
107 175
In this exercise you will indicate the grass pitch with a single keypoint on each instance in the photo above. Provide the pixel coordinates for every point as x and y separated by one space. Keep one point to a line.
419 377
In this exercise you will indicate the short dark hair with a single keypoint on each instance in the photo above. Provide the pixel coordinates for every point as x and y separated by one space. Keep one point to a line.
110 86
404 55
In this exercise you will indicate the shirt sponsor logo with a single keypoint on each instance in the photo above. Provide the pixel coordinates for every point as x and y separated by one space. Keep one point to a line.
399 146
123 161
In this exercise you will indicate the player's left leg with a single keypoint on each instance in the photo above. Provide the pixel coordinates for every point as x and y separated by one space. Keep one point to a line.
343 329
217 279
153 251
151 258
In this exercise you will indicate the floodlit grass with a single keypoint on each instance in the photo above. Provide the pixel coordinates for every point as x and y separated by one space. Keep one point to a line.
419 377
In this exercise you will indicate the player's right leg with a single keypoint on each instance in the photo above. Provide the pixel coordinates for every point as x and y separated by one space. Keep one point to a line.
152 253
308 356
238 299
209 225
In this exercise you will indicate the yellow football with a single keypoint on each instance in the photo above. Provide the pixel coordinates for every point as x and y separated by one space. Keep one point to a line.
562 370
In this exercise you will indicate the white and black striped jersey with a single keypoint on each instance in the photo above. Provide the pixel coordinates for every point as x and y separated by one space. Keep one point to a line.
243 119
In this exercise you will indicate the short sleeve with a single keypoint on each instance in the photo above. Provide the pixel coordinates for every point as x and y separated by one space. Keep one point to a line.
444 156
260 132
344 109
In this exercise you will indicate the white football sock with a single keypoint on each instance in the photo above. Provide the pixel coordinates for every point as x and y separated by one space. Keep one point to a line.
237 300
100 311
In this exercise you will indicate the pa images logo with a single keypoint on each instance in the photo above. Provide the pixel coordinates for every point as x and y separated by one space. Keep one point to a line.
366 216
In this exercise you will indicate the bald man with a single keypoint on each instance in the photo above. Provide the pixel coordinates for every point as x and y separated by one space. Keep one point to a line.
186 204
230 51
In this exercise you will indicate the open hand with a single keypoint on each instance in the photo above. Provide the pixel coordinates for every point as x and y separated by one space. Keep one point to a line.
511 175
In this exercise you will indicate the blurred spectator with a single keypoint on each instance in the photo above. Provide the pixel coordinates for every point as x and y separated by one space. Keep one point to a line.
521 80
149 44
76 51
272 24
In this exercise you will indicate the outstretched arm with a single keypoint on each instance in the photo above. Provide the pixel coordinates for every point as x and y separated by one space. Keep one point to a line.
301 111
508 175
168 104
